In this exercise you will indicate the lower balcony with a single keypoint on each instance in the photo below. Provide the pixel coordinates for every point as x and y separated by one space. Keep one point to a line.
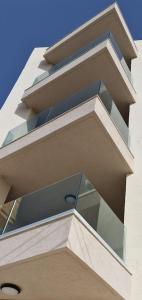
63 242
84 133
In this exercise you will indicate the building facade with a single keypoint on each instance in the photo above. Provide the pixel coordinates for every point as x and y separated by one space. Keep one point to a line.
71 169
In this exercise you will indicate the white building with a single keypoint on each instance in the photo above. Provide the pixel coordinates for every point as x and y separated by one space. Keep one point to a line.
71 169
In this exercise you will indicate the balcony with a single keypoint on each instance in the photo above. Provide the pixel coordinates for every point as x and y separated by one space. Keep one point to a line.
64 233
101 59
51 113
87 135
83 50
110 19
75 192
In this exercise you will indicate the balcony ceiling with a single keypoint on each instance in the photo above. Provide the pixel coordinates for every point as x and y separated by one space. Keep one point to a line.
111 20
98 63
81 140
62 260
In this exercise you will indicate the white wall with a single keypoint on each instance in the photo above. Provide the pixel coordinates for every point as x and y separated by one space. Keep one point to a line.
133 207
14 111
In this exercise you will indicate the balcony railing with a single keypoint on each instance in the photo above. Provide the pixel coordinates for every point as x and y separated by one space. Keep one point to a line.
83 50
69 103
75 192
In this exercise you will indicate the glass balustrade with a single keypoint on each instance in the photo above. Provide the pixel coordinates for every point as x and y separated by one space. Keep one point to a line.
106 36
75 192
76 99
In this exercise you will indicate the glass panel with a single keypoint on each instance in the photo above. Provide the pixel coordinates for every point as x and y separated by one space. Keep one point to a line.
83 50
41 77
120 56
98 88
4 213
114 113
26 127
75 192
43 203
74 100
99 216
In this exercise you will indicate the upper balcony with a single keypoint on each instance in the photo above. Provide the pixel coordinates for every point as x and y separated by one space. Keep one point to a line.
84 132
64 233
98 88
111 20
100 59
84 50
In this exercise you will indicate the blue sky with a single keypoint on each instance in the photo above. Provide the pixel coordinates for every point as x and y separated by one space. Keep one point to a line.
26 24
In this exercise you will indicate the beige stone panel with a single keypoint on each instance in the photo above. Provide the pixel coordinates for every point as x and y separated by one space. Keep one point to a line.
62 259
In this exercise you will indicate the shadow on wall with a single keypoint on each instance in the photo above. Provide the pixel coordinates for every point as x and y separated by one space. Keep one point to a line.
44 66
23 111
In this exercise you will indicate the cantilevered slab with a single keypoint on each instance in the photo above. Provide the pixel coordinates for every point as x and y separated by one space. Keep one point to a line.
63 259
81 140
98 63
111 20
